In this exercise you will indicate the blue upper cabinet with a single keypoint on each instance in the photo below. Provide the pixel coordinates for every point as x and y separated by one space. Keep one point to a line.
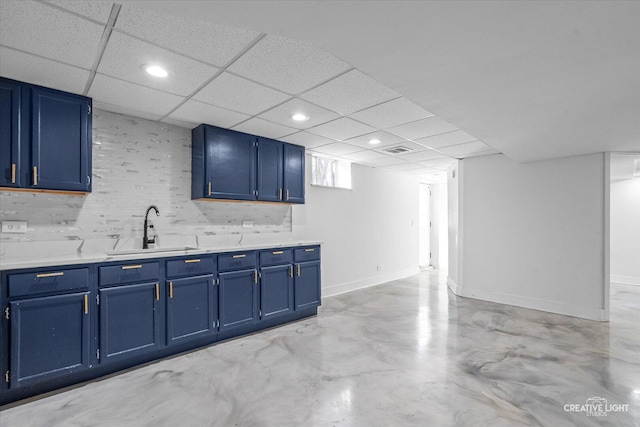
223 164
294 173
270 170
45 138
233 165
11 133
60 140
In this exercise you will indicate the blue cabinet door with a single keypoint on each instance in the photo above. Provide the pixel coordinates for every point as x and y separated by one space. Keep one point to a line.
129 321
49 337
60 140
190 308
11 134
270 170
230 164
294 173
276 291
238 298
307 284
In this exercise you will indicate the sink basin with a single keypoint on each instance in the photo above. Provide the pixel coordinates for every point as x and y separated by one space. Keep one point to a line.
151 251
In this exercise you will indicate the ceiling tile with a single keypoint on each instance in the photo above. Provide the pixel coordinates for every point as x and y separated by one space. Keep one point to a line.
96 10
341 129
442 164
28 68
125 56
446 139
405 166
211 43
464 149
422 128
128 95
198 112
338 149
97 105
49 32
288 65
392 113
386 161
238 94
364 156
421 156
282 114
307 139
352 91
384 138
406 144
264 128
424 171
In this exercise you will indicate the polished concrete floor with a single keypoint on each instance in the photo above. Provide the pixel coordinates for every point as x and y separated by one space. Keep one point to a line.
406 353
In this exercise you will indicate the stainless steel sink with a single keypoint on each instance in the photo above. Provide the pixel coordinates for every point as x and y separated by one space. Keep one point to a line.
151 251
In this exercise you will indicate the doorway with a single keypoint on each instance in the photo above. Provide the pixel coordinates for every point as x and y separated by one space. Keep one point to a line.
424 225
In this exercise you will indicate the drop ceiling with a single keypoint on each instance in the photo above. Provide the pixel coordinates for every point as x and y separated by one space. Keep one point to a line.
446 80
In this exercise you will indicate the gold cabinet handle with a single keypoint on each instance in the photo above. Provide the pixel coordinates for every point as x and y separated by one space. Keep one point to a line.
35 175
298 270
41 275
278 252
190 261
13 173
86 304
291 271
171 290
255 276
131 267
287 194
209 189
309 250
157 292
240 256
279 193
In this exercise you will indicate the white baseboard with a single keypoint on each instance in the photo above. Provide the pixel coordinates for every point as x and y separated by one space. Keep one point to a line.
625 280
452 285
590 313
341 288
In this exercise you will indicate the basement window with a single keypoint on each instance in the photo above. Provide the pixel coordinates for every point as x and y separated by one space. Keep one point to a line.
328 172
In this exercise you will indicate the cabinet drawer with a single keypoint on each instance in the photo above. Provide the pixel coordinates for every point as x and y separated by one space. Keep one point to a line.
44 282
129 273
276 257
236 261
307 254
192 266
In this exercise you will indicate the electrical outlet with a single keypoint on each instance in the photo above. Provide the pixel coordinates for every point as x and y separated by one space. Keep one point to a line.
14 227
247 224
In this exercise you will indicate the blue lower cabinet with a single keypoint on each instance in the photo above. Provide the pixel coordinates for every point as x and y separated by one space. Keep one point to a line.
192 309
276 291
129 321
238 298
307 284
49 337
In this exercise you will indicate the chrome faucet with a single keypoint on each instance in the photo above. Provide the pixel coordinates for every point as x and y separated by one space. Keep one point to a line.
145 239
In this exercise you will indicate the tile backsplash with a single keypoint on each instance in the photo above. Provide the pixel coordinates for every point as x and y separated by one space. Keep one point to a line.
136 163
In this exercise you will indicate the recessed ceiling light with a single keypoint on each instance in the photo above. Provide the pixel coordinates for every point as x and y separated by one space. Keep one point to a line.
374 141
155 70
299 117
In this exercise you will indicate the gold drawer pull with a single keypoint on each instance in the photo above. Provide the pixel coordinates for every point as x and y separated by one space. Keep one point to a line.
189 261
13 173
291 271
157 292
209 189
280 194
41 275
131 267
35 175
86 304
170 289
255 276
240 256
298 270
278 252
309 250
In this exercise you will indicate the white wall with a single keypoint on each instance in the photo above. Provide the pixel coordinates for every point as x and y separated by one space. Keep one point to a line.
625 231
534 233
439 227
375 223
455 201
